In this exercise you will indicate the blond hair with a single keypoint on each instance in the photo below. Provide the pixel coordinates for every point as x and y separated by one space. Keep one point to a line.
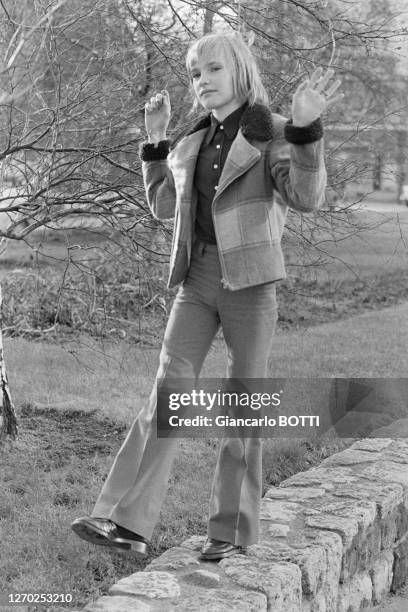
246 79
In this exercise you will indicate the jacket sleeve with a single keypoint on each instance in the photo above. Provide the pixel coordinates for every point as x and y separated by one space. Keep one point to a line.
296 164
158 179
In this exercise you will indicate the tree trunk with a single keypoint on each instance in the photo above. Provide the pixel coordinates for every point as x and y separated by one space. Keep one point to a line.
211 7
8 422
378 168
401 161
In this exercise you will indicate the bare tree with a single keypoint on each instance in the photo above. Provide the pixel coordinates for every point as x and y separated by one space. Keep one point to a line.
76 81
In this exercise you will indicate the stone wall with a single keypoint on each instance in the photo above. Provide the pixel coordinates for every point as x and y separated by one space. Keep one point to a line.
333 539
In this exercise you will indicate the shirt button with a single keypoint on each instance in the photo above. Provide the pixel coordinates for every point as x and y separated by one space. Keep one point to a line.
221 127
215 166
218 146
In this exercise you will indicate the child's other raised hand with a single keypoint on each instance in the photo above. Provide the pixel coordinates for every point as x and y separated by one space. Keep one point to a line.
157 115
313 96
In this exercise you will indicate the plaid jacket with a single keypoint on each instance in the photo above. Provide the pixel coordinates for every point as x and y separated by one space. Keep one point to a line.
268 156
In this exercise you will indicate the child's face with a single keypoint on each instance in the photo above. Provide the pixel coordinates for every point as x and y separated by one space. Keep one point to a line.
212 83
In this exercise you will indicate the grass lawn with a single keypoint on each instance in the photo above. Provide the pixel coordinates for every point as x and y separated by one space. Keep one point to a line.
341 246
372 344
356 245
115 378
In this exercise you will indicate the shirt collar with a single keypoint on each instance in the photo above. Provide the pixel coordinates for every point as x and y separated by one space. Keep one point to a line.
230 124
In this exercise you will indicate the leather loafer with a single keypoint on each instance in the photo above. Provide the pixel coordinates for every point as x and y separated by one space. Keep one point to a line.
214 550
105 532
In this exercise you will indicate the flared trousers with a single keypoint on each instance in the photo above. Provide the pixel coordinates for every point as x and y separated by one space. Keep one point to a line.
136 485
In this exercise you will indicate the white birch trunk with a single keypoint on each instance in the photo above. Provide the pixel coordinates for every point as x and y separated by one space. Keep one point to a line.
8 418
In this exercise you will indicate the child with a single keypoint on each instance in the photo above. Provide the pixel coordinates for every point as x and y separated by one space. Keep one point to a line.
220 184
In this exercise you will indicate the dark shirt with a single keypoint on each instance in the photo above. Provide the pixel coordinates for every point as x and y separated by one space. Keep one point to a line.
211 159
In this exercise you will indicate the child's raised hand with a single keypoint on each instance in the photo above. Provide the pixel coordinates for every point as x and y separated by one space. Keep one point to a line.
313 96
157 115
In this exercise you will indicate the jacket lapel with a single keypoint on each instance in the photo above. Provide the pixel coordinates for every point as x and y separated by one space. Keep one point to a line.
182 161
241 157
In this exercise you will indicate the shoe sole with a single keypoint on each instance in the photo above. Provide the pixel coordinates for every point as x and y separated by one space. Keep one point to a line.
133 545
220 556
90 533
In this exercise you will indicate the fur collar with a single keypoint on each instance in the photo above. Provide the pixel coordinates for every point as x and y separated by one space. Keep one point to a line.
256 123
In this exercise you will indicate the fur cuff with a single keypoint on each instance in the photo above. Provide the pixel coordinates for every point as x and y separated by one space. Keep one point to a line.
151 152
304 135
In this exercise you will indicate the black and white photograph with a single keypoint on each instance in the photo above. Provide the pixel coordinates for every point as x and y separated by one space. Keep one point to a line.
204 305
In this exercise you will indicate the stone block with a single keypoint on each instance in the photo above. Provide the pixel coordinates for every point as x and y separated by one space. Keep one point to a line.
311 560
401 445
386 471
319 557
327 592
279 511
275 530
275 535
388 530
385 496
316 604
294 494
194 543
351 456
396 454
117 604
278 552
357 524
173 559
364 512
280 582
372 444
347 528
325 477
203 578
400 577
151 584
355 594
381 576
368 548
224 600
313 564
402 521
306 605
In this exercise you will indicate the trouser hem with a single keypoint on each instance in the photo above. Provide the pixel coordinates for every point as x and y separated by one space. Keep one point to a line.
232 537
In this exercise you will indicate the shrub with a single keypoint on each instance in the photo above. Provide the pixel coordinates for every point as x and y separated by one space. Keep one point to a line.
107 296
